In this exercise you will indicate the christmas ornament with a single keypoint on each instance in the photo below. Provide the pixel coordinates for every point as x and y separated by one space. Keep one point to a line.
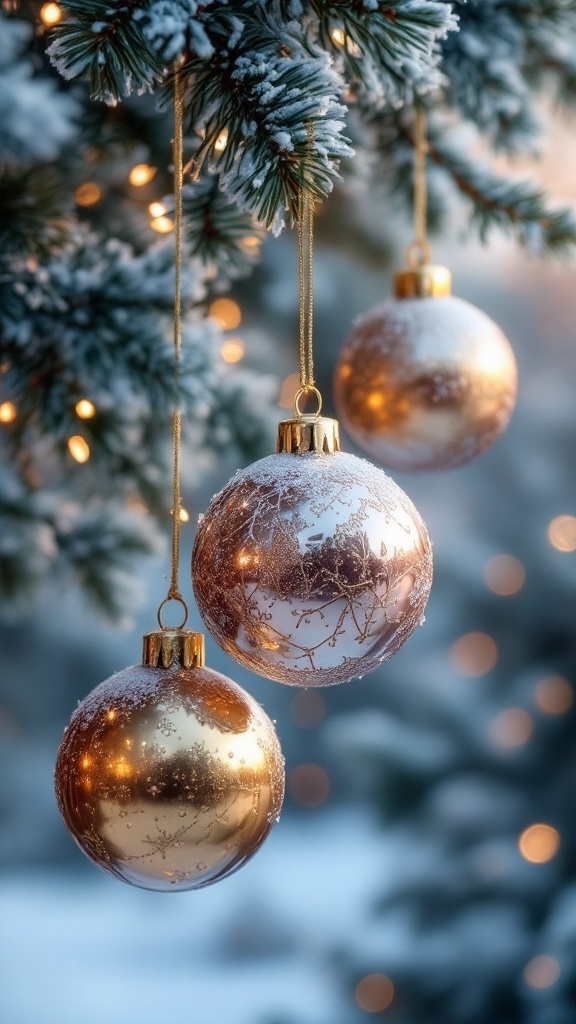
425 380
311 566
169 775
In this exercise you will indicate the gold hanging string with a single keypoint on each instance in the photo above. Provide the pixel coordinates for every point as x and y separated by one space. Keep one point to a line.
177 159
306 296
419 251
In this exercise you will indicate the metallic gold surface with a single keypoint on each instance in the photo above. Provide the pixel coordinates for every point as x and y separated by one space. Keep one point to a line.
169 779
165 647
426 281
308 434
311 569
425 383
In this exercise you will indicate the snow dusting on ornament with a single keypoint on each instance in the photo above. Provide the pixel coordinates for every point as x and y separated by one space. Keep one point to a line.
311 569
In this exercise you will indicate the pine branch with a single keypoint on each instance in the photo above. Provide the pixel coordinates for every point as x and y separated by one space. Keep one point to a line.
224 238
34 211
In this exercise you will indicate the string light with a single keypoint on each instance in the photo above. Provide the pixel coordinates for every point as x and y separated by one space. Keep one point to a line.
374 993
309 785
7 412
504 575
221 141
79 448
474 654
562 533
141 174
539 843
554 695
542 972
226 312
308 709
84 409
50 14
163 225
232 351
88 194
513 727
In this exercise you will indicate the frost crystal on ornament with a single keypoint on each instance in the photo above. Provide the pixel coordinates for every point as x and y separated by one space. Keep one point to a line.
311 569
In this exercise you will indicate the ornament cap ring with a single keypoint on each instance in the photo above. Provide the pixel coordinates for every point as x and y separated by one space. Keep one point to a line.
307 389
167 600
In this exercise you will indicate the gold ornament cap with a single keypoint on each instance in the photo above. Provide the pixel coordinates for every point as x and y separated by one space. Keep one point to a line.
424 282
308 433
163 648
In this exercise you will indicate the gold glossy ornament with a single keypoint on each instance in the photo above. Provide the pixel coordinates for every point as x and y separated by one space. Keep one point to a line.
425 380
169 776
311 566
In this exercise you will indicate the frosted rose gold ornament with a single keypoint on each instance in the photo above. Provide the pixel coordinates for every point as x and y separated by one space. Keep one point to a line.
169 775
425 380
311 566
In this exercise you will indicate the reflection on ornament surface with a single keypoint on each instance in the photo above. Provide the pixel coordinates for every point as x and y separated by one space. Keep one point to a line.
311 569
425 383
169 779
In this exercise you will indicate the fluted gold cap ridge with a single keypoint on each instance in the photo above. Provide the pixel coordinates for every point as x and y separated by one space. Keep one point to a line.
425 282
308 433
162 648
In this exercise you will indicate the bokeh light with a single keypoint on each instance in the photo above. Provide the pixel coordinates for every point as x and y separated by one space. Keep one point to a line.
474 654
504 575
562 533
50 14
309 785
88 193
157 209
554 695
513 727
8 412
308 708
221 141
288 389
232 350
374 993
85 409
539 843
338 36
141 174
184 515
79 448
163 225
542 972
226 312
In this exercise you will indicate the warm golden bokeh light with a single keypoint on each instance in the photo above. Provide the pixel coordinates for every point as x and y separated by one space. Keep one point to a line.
79 448
288 389
308 708
88 194
184 516
141 174
163 225
232 351
474 654
221 141
85 409
309 785
542 972
504 575
226 312
157 209
50 14
374 993
375 400
338 36
554 695
513 727
562 533
8 412
539 843
252 243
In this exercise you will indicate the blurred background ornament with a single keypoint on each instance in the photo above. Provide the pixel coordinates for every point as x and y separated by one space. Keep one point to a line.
425 380
311 566
169 775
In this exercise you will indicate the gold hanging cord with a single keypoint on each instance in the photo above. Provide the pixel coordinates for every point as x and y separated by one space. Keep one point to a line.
419 250
177 160
306 296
